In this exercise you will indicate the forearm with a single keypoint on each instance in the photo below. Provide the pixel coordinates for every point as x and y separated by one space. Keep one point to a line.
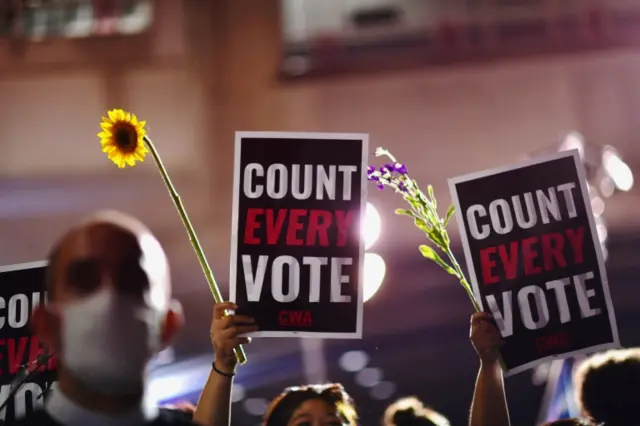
489 406
214 405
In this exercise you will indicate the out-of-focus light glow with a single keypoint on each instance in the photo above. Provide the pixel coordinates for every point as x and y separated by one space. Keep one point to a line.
573 140
369 377
597 205
374 271
601 228
371 226
237 393
617 169
383 390
255 406
607 187
353 361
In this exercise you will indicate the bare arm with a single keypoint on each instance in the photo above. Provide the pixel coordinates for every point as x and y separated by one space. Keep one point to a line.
214 405
489 406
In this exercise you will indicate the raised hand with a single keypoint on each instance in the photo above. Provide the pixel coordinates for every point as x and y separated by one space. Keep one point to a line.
485 337
227 334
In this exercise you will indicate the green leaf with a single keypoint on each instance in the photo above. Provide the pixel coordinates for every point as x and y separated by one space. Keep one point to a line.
430 191
430 253
422 225
436 237
450 212
404 212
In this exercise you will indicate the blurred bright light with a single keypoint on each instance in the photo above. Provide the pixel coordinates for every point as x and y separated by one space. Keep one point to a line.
374 271
353 361
597 205
371 226
237 393
601 228
617 169
607 187
255 406
369 377
573 140
383 390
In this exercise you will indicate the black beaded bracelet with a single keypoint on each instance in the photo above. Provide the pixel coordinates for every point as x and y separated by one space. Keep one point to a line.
222 373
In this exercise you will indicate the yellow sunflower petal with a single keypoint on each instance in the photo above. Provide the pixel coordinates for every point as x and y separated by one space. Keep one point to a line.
122 137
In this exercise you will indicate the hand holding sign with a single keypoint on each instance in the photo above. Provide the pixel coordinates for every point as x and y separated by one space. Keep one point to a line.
226 334
485 337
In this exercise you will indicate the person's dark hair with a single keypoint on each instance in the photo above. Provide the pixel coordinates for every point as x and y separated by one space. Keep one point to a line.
282 407
412 412
607 387
186 409
568 422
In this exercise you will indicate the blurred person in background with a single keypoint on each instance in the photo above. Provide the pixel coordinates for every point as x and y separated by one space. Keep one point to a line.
187 408
312 405
568 422
109 312
412 412
608 387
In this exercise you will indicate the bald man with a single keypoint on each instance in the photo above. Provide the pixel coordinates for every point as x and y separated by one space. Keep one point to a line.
109 312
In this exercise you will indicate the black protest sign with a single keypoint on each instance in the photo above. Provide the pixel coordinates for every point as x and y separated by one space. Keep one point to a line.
297 254
535 259
22 288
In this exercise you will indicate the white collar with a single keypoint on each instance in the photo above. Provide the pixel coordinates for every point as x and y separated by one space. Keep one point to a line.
68 413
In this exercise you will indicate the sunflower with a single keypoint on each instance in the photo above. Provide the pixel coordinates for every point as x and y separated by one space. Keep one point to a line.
122 138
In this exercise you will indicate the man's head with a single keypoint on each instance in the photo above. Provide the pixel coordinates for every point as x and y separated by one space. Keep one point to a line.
607 387
109 304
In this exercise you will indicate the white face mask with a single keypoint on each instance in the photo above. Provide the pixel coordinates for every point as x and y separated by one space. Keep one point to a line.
107 341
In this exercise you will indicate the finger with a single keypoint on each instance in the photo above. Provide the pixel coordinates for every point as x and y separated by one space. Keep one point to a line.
233 320
241 320
237 330
241 341
220 308
478 317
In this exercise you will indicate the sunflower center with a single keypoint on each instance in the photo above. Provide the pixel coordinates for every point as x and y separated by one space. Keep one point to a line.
126 138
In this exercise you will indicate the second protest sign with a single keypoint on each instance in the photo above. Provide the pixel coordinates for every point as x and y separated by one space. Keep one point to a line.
535 259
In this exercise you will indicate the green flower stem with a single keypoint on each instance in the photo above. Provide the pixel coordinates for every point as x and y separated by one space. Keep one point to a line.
241 356
463 280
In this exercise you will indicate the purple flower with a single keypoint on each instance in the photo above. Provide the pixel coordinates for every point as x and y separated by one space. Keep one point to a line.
370 170
390 167
401 168
380 186
373 178
402 187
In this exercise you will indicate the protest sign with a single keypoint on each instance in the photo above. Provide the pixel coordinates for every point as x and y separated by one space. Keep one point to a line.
296 250
535 260
22 288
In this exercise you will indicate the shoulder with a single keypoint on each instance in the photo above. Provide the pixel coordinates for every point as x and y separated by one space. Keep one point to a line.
39 418
174 417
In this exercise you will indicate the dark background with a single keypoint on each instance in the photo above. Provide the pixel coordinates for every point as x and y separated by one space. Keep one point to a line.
336 317
520 348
